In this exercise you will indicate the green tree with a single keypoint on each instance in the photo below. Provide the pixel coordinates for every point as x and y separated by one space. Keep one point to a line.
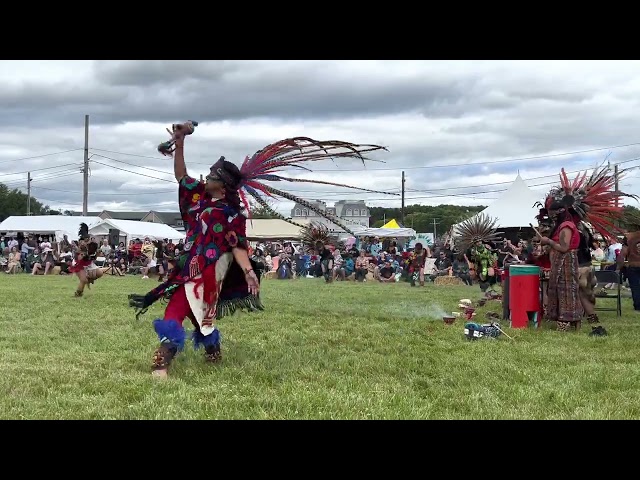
14 202
259 211
421 217
630 218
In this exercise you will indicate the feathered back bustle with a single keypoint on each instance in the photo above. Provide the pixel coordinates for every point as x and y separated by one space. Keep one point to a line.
265 163
480 227
318 232
84 231
593 200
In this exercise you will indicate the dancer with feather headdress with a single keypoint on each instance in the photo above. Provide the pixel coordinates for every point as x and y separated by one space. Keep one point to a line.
570 210
84 267
474 235
214 276
316 238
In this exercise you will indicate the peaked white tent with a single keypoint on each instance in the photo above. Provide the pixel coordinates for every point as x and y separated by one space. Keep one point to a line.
57 225
515 207
132 229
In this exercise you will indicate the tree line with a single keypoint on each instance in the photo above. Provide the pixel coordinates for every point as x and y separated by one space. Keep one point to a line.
422 217
14 202
419 217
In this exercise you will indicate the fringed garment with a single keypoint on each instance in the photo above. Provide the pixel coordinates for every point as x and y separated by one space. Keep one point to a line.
485 262
215 285
416 266
85 258
563 301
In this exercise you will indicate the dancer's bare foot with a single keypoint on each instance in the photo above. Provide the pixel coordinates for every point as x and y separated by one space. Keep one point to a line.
161 373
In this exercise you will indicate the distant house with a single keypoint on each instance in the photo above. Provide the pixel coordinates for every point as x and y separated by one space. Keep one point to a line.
350 211
112 215
173 219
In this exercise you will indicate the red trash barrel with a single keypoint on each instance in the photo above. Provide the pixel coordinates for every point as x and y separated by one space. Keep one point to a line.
524 295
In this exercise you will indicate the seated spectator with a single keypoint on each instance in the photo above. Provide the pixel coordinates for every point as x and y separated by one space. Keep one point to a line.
13 262
349 266
442 266
46 263
337 265
148 252
261 264
386 273
460 269
362 266
284 270
32 259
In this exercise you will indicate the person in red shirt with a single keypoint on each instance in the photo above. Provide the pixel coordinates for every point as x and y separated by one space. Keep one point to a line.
568 208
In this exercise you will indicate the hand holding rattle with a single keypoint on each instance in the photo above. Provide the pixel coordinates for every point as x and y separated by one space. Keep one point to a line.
180 130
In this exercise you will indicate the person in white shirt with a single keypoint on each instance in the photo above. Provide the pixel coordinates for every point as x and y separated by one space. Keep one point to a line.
611 251
597 253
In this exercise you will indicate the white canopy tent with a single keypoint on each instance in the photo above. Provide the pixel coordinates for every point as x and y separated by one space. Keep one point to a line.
132 229
271 229
515 207
57 225
361 231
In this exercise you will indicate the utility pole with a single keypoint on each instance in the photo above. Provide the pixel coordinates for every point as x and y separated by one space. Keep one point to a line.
28 193
402 208
85 171
615 172
434 229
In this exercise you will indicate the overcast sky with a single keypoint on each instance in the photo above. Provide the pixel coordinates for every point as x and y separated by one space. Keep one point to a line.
461 130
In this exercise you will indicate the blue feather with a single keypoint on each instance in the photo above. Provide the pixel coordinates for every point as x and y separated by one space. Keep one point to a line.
250 190
199 339
170 331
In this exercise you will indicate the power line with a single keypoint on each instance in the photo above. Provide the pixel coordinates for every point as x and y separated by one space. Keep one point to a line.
490 162
53 175
133 165
41 169
39 156
151 192
511 181
135 173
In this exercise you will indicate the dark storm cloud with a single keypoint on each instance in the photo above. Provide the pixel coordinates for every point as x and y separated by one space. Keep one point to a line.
164 91
427 113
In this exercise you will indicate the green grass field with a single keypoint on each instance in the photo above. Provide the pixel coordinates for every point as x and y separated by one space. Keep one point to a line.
339 351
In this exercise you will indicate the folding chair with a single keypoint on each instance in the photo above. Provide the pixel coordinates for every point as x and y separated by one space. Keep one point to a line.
605 277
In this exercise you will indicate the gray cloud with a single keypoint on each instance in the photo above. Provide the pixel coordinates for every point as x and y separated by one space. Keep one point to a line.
427 113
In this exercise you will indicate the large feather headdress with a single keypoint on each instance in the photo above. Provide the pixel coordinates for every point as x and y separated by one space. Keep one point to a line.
594 201
266 164
479 228
318 232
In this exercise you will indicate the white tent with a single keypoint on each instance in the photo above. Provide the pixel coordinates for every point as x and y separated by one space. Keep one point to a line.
271 229
361 231
132 229
515 207
57 225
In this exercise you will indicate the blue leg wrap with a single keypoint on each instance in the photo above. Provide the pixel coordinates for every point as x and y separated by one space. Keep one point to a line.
210 340
170 331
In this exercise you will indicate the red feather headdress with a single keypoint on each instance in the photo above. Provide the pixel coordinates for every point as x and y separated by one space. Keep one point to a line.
594 201
265 164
